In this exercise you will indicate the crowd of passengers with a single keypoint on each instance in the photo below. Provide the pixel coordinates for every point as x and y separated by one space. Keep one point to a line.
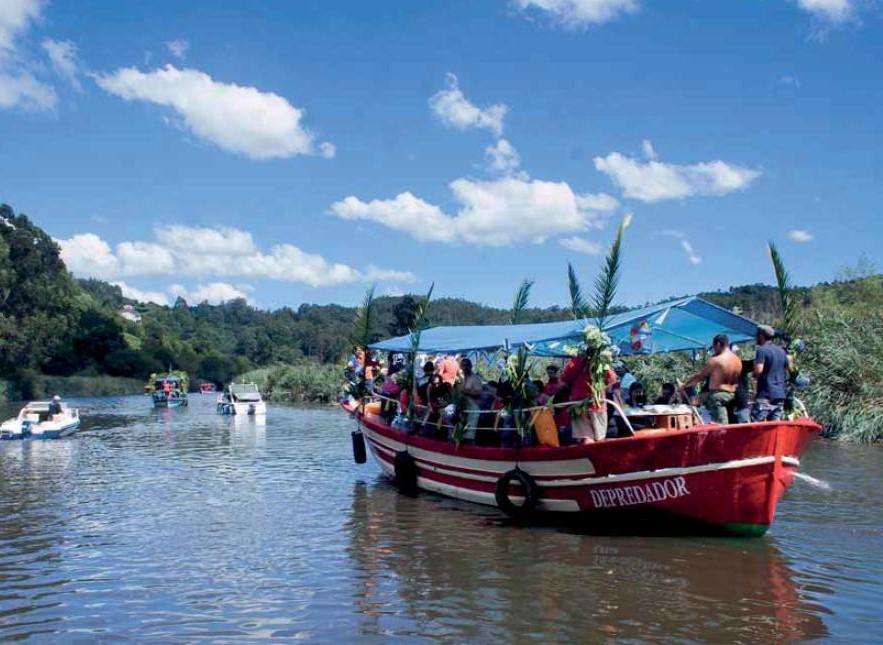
450 393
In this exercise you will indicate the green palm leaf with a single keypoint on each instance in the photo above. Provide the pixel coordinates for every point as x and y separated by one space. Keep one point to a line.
363 329
783 284
578 306
608 280
520 302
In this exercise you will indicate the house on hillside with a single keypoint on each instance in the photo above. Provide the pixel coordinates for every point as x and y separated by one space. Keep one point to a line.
128 312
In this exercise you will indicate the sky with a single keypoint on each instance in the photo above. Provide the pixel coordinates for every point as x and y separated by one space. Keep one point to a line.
297 152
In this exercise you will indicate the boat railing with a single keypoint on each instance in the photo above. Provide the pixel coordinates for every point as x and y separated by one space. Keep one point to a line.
549 406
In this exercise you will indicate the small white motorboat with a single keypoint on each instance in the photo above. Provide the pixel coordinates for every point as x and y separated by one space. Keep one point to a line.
242 399
36 421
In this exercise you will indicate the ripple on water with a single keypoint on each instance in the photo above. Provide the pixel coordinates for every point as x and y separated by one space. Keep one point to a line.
182 524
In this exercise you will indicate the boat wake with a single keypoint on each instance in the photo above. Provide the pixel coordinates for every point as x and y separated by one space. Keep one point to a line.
812 481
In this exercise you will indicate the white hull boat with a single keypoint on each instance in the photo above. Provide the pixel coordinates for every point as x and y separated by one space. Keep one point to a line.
242 399
36 422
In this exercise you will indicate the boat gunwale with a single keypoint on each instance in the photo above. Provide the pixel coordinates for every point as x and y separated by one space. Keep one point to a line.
550 453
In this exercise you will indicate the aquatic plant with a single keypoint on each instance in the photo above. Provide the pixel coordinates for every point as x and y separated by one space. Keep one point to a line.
844 354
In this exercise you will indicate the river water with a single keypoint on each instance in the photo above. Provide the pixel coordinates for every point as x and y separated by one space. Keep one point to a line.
181 524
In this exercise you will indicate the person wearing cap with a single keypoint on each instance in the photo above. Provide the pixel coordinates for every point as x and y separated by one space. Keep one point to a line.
771 373
722 371
55 406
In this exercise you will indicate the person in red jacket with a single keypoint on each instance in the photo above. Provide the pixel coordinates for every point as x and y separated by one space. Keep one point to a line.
591 425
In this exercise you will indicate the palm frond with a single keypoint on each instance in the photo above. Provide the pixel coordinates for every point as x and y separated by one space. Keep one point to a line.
608 280
783 284
578 305
520 302
363 329
421 318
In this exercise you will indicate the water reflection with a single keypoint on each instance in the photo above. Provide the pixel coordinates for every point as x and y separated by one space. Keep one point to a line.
187 525
431 569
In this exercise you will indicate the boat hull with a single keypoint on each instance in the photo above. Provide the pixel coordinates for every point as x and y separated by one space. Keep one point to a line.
243 409
55 432
169 403
726 478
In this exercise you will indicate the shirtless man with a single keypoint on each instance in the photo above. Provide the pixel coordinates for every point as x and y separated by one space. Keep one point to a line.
723 371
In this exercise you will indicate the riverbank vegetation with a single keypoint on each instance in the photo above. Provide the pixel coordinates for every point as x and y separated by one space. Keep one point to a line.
304 382
52 325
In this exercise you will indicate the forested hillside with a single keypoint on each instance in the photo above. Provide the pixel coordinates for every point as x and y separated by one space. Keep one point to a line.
53 324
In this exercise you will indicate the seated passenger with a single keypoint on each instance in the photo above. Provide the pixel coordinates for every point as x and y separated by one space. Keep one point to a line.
637 398
669 395
55 406
423 382
390 390
553 383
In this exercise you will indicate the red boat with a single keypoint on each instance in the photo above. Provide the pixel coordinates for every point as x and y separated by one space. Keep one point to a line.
727 478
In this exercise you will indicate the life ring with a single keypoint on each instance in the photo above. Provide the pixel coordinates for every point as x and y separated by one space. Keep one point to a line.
406 474
530 492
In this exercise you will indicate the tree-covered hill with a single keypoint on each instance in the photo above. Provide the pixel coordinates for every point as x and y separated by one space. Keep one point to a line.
53 324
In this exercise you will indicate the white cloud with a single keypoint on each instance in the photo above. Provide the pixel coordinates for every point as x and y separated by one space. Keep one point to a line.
18 86
177 48
830 11
206 241
405 212
15 17
580 13
692 257
502 157
88 256
213 293
647 149
800 236
652 181
156 297
581 245
63 56
691 254
239 119
144 258
454 110
22 90
202 252
495 213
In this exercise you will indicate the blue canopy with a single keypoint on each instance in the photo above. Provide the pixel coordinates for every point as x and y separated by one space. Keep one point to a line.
684 324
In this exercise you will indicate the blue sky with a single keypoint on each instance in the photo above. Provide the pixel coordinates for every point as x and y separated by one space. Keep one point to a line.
297 151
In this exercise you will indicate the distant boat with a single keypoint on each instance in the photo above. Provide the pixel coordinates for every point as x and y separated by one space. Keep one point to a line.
242 399
36 422
207 388
169 391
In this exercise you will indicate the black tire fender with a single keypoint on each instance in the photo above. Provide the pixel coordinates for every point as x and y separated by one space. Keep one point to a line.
530 492
406 473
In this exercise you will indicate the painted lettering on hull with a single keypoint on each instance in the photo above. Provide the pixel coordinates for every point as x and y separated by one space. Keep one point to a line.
650 493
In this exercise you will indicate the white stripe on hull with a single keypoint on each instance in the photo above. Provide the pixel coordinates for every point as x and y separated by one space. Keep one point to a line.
481 497
572 468
388 447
